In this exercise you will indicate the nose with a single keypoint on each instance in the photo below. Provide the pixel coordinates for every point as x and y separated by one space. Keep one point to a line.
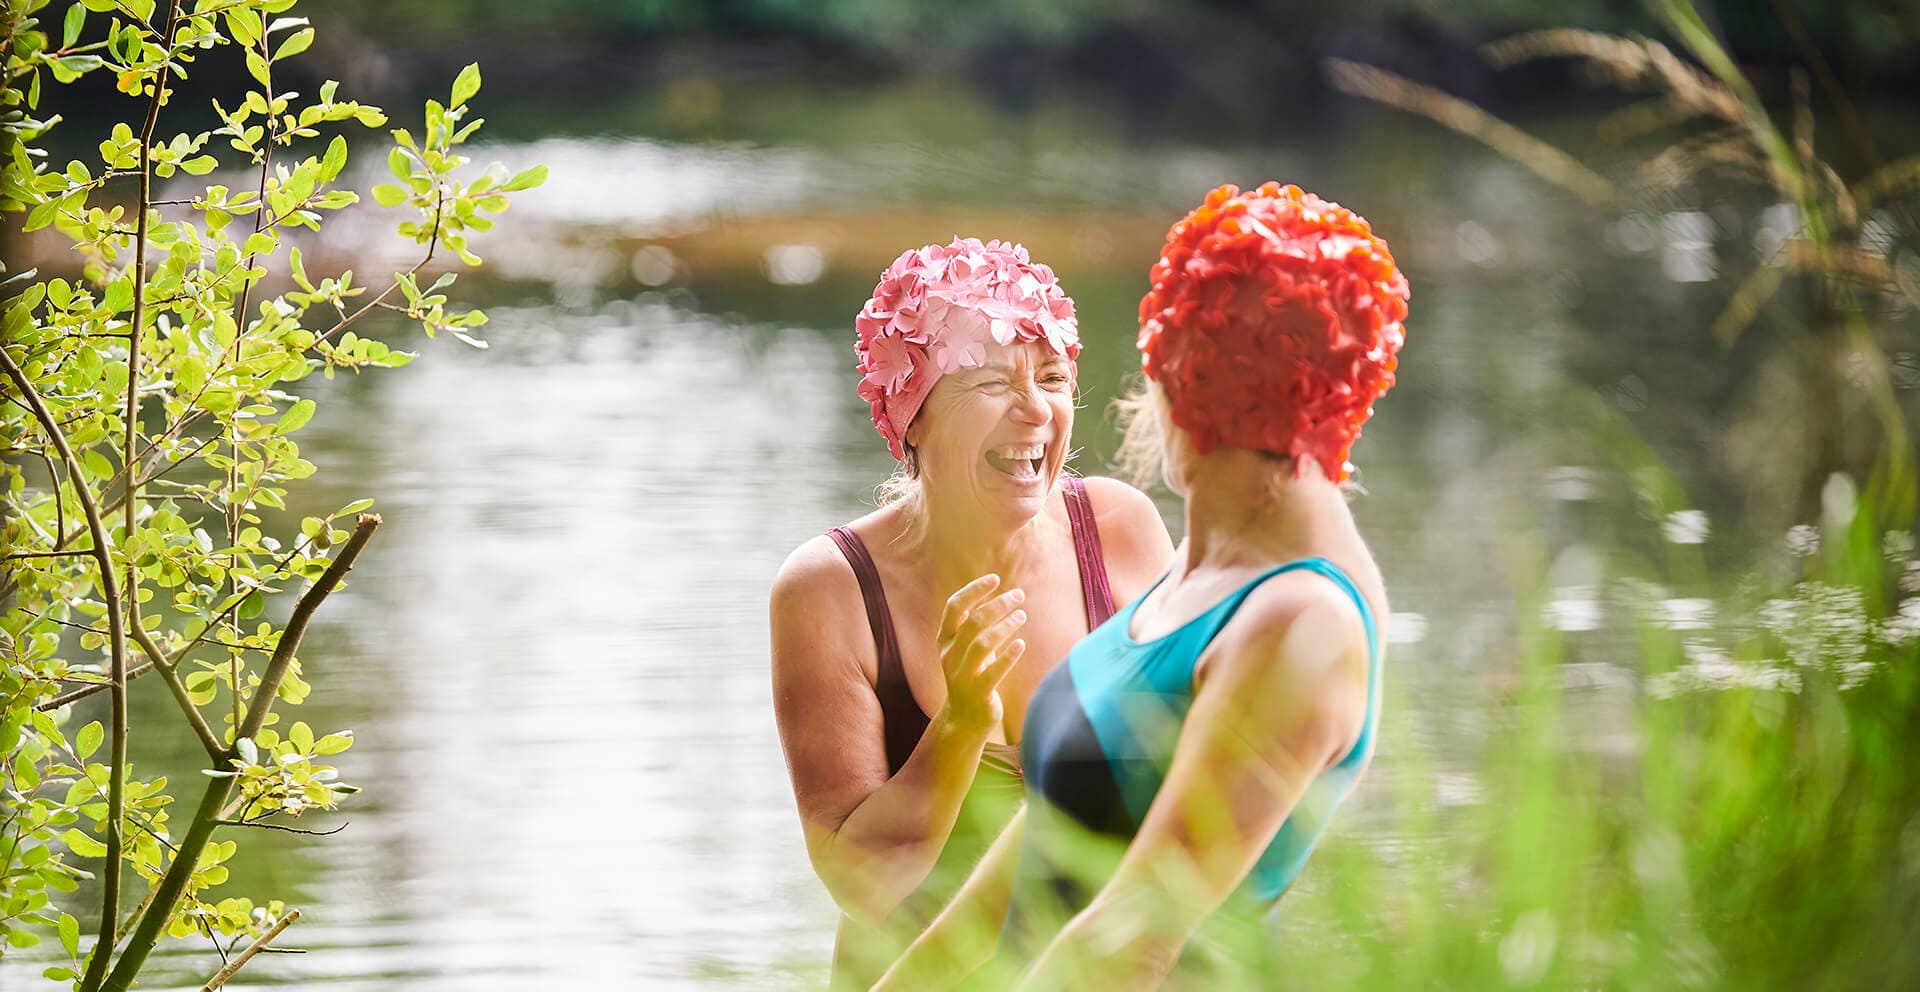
1031 407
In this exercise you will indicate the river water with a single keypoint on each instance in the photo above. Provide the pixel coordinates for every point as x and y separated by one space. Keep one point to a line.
554 653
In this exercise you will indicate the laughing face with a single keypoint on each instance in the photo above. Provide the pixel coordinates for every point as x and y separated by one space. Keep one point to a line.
992 439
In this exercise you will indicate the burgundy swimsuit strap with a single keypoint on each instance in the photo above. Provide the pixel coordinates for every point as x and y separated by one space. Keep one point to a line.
900 712
1094 590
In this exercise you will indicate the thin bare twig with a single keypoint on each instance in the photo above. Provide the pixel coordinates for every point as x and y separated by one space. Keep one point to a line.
296 628
220 977
84 691
181 696
59 505
433 242
291 830
145 902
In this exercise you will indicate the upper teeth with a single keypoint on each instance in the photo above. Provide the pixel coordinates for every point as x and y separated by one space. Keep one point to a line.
1013 451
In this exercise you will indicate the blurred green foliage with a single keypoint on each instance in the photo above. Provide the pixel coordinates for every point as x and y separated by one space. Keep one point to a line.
1873 29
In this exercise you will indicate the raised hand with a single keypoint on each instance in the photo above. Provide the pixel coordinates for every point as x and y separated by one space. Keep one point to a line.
978 648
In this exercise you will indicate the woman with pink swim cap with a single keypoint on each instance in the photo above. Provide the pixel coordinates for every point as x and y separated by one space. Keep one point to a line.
906 643
1182 762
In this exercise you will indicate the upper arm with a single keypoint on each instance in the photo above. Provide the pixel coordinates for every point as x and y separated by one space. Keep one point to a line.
1133 536
1282 696
831 726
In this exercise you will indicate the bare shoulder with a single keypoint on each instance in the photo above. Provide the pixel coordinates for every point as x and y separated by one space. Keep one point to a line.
1115 500
1132 532
1299 645
813 572
815 597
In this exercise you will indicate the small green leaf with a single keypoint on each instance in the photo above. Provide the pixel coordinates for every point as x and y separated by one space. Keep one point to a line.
69 927
96 463
76 19
334 743
199 165
466 84
294 45
25 774
301 736
527 180
298 271
244 25
83 844
88 740
296 417
119 295
389 195
335 159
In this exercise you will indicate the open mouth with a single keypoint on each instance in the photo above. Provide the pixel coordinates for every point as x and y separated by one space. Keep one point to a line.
1020 462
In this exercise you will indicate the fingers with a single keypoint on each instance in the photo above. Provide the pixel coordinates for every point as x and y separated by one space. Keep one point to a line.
988 643
1002 663
981 617
962 603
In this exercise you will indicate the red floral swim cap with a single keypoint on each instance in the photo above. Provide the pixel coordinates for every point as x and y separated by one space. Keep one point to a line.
1273 324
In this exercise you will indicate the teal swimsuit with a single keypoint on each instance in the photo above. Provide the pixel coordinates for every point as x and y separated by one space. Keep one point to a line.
1099 735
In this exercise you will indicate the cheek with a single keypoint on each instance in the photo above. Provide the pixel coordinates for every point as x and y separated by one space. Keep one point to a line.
954 434
1063 411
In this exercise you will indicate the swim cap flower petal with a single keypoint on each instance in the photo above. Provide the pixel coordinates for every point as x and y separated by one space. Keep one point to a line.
1273 323
934 311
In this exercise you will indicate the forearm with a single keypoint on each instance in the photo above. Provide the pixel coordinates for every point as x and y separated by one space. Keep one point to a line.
884 849
964 935
1113 945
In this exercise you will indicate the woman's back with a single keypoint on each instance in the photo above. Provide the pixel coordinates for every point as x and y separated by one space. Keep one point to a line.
1100 736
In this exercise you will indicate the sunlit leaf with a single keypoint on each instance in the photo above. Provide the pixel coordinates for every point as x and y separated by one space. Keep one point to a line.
466 84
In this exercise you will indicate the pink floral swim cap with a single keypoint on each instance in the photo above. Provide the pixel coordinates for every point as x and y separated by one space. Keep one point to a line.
934 311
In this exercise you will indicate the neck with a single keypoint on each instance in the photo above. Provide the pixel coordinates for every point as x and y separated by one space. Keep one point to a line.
1245 508
962 546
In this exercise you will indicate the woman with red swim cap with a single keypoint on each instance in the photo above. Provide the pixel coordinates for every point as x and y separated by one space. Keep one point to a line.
906 643
1182 762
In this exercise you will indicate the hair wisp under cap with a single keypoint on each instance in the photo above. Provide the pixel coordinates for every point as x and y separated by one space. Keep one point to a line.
1273 323
934 311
